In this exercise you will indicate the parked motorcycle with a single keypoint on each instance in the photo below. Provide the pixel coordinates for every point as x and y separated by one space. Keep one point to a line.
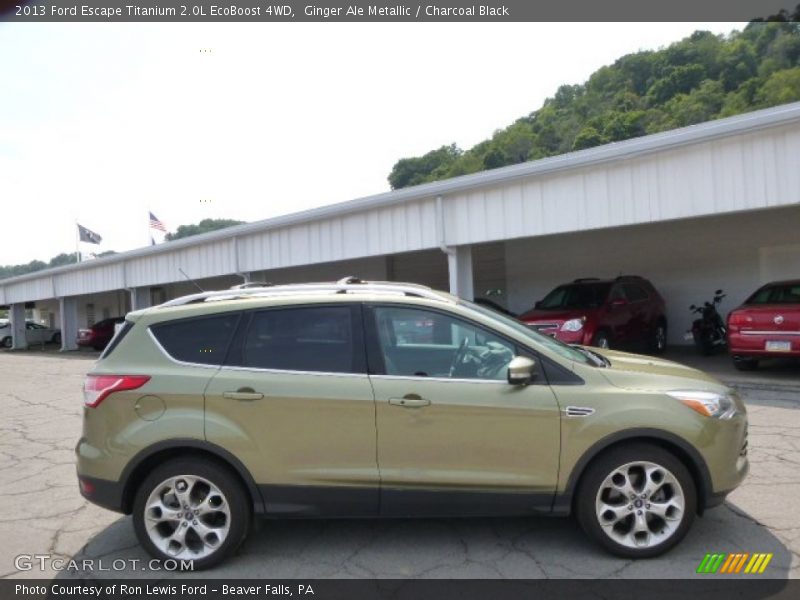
709 331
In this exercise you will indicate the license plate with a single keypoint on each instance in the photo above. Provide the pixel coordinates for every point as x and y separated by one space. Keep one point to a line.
778 346
688 335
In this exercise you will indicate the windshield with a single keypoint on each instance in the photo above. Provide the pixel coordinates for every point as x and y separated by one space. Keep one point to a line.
581 295
786 293
552 344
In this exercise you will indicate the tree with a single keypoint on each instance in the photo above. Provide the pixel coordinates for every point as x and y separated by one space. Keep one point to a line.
588 138
203 226
702 77
780 88
413 171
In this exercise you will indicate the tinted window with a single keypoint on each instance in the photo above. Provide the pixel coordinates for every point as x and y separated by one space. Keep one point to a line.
318 338
204 340
420 343
548 342
787 293
584 295
634 292
117 339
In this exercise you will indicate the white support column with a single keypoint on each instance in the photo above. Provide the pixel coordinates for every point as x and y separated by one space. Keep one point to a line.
459 265
68 313
140 298
17 314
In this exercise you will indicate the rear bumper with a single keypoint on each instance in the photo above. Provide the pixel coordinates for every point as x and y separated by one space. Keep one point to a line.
755 345
108 494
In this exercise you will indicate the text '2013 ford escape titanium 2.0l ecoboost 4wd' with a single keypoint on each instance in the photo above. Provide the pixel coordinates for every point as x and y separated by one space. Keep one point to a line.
386 399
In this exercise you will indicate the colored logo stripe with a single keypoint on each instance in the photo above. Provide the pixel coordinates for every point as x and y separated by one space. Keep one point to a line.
733 563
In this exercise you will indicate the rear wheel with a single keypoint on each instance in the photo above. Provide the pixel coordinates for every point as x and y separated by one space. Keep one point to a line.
745 364
191 510
56 339
703 343
7 342
637 501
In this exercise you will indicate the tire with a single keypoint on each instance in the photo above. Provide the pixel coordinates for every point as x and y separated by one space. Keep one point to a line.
211 487
745 364
616 528
7 342
602 340
703 344
658 344
56 338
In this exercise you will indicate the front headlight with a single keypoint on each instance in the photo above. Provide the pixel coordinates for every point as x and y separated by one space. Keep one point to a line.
708 404
572 325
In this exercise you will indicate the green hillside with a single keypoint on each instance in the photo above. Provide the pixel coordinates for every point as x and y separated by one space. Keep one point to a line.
700 78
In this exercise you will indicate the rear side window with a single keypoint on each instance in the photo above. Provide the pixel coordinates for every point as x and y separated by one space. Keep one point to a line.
202 340
634 293
117 339
317 339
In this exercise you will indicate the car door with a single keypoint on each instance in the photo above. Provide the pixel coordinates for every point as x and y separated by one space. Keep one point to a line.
640 320
453 436
293 402
618 316
34 333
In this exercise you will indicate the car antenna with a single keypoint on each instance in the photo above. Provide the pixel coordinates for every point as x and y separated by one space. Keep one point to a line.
190 280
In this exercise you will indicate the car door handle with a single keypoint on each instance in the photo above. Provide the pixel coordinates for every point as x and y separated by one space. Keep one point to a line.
245 393
410 401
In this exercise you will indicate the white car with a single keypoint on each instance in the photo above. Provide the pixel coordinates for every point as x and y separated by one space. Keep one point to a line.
34 333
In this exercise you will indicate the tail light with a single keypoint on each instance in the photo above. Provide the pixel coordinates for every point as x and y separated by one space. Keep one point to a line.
738 319
97 388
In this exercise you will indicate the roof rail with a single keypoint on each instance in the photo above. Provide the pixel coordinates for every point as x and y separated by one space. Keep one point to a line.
582 279
343 286
628 277
251 284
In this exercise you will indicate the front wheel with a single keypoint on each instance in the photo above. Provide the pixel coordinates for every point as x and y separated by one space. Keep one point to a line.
7 342
602 340
191 510
659 342
56 338
637 501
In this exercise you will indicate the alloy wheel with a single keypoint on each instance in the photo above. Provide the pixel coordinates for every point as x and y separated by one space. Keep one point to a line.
187 516
661 338
640 505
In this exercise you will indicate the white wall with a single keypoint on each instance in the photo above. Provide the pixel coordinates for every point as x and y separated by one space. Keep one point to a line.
686 260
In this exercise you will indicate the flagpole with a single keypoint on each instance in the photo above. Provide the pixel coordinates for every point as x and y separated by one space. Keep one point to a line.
77 242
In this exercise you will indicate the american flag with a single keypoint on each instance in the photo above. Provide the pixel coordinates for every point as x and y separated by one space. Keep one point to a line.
156 224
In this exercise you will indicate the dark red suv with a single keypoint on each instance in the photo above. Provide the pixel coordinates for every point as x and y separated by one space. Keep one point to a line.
98 335
623 312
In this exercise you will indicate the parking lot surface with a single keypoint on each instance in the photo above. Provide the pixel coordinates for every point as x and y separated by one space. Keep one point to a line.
43 513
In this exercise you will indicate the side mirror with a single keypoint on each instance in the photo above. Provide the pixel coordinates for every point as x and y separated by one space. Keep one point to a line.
521 370
718 292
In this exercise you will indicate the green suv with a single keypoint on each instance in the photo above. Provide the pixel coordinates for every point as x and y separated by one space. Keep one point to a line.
355 399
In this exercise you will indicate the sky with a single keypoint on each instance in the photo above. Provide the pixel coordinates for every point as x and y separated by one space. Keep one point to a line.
100 123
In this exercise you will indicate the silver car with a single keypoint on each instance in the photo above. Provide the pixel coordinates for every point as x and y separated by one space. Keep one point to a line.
34 333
